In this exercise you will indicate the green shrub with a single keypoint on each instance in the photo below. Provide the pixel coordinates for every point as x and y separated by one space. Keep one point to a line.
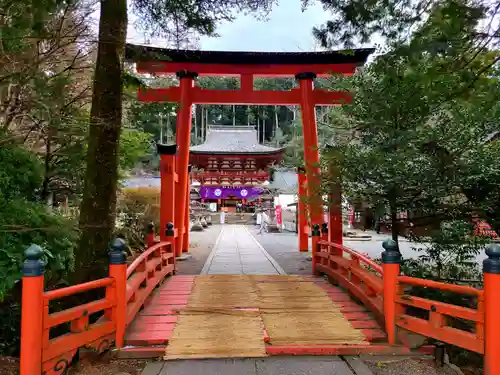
23 222
20 172
448 255
137 207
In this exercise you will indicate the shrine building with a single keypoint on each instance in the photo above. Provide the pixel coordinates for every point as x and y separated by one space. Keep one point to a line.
232 167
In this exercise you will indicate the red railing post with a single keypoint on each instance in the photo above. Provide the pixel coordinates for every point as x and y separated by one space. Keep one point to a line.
118 271
491 271
391 261
315 236
150 235
32 312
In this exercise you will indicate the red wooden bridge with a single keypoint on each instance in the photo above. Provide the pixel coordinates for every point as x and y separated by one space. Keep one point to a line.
144 303
148 311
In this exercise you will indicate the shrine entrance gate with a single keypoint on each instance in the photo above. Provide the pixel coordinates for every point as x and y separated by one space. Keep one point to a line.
304 66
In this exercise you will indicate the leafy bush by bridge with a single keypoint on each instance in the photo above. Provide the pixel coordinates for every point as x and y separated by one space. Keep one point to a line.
24 221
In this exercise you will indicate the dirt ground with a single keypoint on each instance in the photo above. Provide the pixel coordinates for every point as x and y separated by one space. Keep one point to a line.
9 366
104 365
411 366
91 365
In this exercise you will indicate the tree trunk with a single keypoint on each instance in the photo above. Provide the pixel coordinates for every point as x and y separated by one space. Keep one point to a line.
394 224
46 173
97 210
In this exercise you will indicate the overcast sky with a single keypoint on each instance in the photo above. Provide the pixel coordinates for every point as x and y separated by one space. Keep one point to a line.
287 29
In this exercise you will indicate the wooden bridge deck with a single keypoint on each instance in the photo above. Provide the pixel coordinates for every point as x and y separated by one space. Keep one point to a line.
154 326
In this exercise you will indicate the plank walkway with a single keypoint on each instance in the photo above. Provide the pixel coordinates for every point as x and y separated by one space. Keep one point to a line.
154 325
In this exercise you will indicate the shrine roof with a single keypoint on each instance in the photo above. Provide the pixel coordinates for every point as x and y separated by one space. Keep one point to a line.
240 140
135 53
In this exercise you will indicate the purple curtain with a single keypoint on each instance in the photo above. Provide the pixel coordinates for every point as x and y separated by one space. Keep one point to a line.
216 192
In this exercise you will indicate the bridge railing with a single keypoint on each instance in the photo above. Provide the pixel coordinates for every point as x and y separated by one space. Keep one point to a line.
126 290
385 292
355 272
437 326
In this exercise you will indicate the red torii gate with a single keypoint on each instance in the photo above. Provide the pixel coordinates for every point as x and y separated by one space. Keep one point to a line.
304 66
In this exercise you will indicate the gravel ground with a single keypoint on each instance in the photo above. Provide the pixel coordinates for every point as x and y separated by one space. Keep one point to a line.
9 366
92 364
201 244
408 366
283 248
104 365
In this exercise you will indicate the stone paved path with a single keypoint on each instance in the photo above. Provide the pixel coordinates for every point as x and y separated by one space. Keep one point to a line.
236 252
265 366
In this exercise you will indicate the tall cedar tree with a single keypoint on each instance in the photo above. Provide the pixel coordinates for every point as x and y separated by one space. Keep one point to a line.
97 210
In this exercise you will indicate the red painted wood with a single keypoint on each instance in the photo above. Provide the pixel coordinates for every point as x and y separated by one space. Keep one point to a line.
288 70
187 285
362 324
150 328
357 316
335 350
161 310
205 96
181 278
141 352
266 336
147 339
178 283
374 335
347 307
172 292
185 292
171 301
142 320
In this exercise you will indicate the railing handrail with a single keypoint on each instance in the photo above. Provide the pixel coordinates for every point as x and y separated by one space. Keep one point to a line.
77 288
365 259
141 258
459 289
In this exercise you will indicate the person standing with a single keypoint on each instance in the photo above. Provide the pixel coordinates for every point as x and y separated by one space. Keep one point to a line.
222 217
262 222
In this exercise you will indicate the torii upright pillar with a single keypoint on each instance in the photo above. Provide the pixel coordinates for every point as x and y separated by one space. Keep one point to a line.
311 154
185 241
302 224
183 137
167 193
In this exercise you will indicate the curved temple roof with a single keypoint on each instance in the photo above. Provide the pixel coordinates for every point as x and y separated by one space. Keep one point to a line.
134 53
233 140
